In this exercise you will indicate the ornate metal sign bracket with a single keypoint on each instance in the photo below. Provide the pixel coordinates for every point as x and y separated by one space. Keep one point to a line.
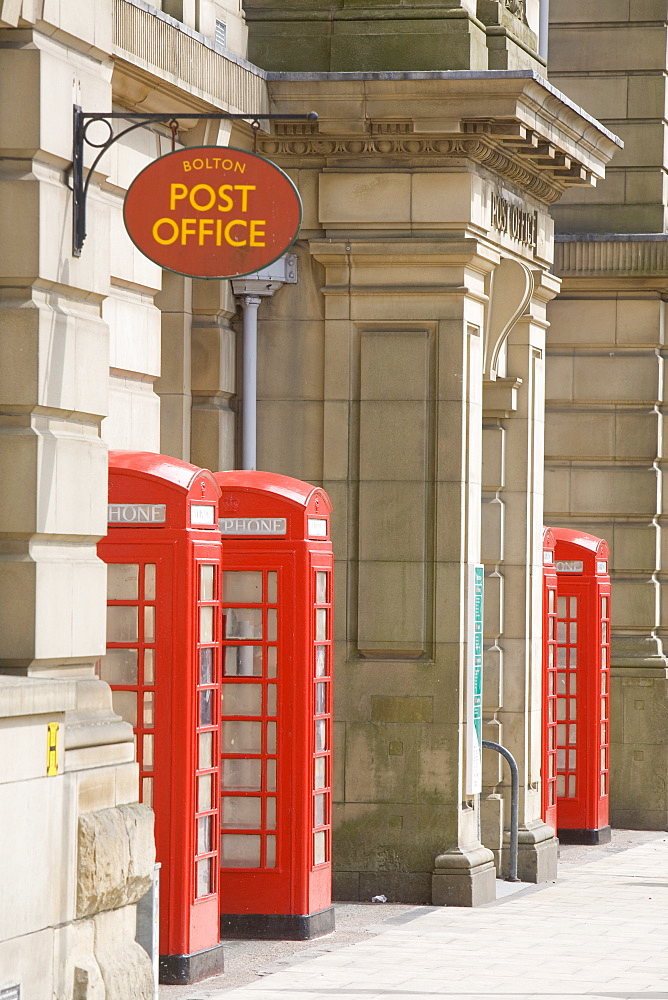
84 119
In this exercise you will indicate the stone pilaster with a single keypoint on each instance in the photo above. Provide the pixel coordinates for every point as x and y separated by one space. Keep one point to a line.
213 376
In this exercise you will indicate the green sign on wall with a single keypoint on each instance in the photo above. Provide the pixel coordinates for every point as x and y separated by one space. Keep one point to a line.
474 682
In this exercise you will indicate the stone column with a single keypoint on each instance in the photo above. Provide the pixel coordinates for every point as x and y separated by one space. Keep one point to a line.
173 387
403 375
54 382
213 376
515 413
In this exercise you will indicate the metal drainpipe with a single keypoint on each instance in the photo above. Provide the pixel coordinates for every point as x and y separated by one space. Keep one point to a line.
543 29
250 305
514 805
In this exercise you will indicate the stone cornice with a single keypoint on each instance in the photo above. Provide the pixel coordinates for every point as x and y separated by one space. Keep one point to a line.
616 255
513 123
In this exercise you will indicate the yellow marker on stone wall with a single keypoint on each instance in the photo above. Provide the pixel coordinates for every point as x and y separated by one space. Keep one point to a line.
52 749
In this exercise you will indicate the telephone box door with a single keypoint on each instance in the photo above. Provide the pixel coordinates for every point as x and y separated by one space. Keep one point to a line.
550 683
583 687
276 768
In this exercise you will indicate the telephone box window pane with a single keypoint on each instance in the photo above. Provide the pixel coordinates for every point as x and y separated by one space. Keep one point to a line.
271 814
271 737
604 631
242 587
550 656
205 752
271 699
242 699
604 607
272 658
320 699
149 582
561 682
571 786
573 656
206 624
147 753
241 812
147 791
551 795
319 845
321 624
561 709
243 661
320 773
319 810
551 738
561 631
561 735
204 792
242 775
604 683
561 785
123 581
242 737
572 709
119 666
204 876
320 735
550 711
125 705
573 684
206 707
573 632
149 623
321 588
270 843
604 732
206 582
122 624
149 666
550 601
271 624
561 656
272 588
572 759
561 607
603 759
604 658
604 708
204 831
243 623
604 783
206 665
561 760
148 709
320 661
574 607
271 775
240 850
550 628
572 734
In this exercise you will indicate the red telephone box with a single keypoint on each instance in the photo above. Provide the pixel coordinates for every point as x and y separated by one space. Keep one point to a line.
163 551
583 687
276 767
550 681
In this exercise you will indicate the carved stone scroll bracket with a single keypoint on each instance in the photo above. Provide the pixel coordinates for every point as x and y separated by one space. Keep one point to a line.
511 288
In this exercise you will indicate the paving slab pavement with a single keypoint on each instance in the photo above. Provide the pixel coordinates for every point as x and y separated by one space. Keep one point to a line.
600 931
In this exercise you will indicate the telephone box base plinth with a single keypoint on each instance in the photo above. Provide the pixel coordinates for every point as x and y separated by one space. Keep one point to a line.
601 836
182 970
277 926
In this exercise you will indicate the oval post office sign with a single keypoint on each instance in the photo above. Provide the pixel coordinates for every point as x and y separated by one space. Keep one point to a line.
212 212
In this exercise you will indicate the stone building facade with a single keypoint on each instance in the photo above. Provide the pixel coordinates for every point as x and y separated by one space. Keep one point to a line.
405 372
606 383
